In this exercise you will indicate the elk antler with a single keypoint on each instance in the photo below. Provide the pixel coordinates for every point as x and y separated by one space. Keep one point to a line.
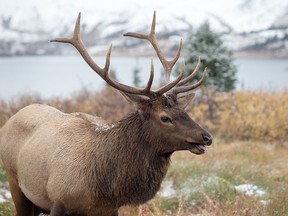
76 41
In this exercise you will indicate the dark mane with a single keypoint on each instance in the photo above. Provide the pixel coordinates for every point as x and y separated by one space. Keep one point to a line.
135 183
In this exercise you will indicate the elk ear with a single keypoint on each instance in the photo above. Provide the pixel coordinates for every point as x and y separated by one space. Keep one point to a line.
184 99
134 99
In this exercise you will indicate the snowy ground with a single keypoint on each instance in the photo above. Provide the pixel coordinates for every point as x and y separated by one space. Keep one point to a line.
5 195
168 191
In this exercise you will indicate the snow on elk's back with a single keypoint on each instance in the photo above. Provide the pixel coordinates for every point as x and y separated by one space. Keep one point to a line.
103 127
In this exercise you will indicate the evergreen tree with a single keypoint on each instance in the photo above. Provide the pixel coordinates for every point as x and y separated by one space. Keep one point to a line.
208 45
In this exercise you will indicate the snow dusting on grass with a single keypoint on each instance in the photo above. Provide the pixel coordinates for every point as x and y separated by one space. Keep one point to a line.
5 195
250 190
214 184
168 190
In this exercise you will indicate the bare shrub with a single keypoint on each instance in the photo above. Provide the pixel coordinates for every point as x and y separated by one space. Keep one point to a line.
244 114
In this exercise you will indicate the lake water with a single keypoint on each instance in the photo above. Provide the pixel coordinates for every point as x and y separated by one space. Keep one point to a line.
63 75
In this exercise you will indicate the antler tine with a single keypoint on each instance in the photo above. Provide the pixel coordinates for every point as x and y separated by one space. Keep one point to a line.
150 81
170 85
191 76
76 41
182 89
151 37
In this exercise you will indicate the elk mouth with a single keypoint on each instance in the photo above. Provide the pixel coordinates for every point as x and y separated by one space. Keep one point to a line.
196 148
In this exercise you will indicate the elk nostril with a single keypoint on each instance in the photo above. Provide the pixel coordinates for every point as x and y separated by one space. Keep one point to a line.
207 139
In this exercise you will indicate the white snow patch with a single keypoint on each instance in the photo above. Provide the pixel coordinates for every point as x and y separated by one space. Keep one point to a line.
264 202
4 195
168 190
8 195
250 190
103 127
2 199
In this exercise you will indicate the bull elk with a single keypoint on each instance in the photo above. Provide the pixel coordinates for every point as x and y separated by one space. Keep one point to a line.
78 164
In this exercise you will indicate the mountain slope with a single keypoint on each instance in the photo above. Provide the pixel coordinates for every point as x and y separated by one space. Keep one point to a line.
257 27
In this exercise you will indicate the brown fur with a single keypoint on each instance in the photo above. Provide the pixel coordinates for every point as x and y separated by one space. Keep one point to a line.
77 164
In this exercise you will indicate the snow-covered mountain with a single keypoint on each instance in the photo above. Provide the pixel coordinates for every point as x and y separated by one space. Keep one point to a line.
258 27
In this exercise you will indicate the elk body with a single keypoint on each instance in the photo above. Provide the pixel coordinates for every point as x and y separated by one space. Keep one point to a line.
77 164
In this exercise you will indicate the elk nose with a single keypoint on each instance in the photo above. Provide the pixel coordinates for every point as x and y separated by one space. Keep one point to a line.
207 139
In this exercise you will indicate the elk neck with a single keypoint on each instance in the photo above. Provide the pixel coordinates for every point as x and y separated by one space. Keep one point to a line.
135 168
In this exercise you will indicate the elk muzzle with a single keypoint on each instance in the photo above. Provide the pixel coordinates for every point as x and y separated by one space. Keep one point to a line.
207 138
200 147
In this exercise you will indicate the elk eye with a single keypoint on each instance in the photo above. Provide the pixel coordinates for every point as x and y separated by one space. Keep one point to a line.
166 119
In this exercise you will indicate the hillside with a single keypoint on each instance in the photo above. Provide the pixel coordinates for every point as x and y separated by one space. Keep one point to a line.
258 27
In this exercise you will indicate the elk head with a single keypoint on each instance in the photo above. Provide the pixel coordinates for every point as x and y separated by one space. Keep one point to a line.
161 110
